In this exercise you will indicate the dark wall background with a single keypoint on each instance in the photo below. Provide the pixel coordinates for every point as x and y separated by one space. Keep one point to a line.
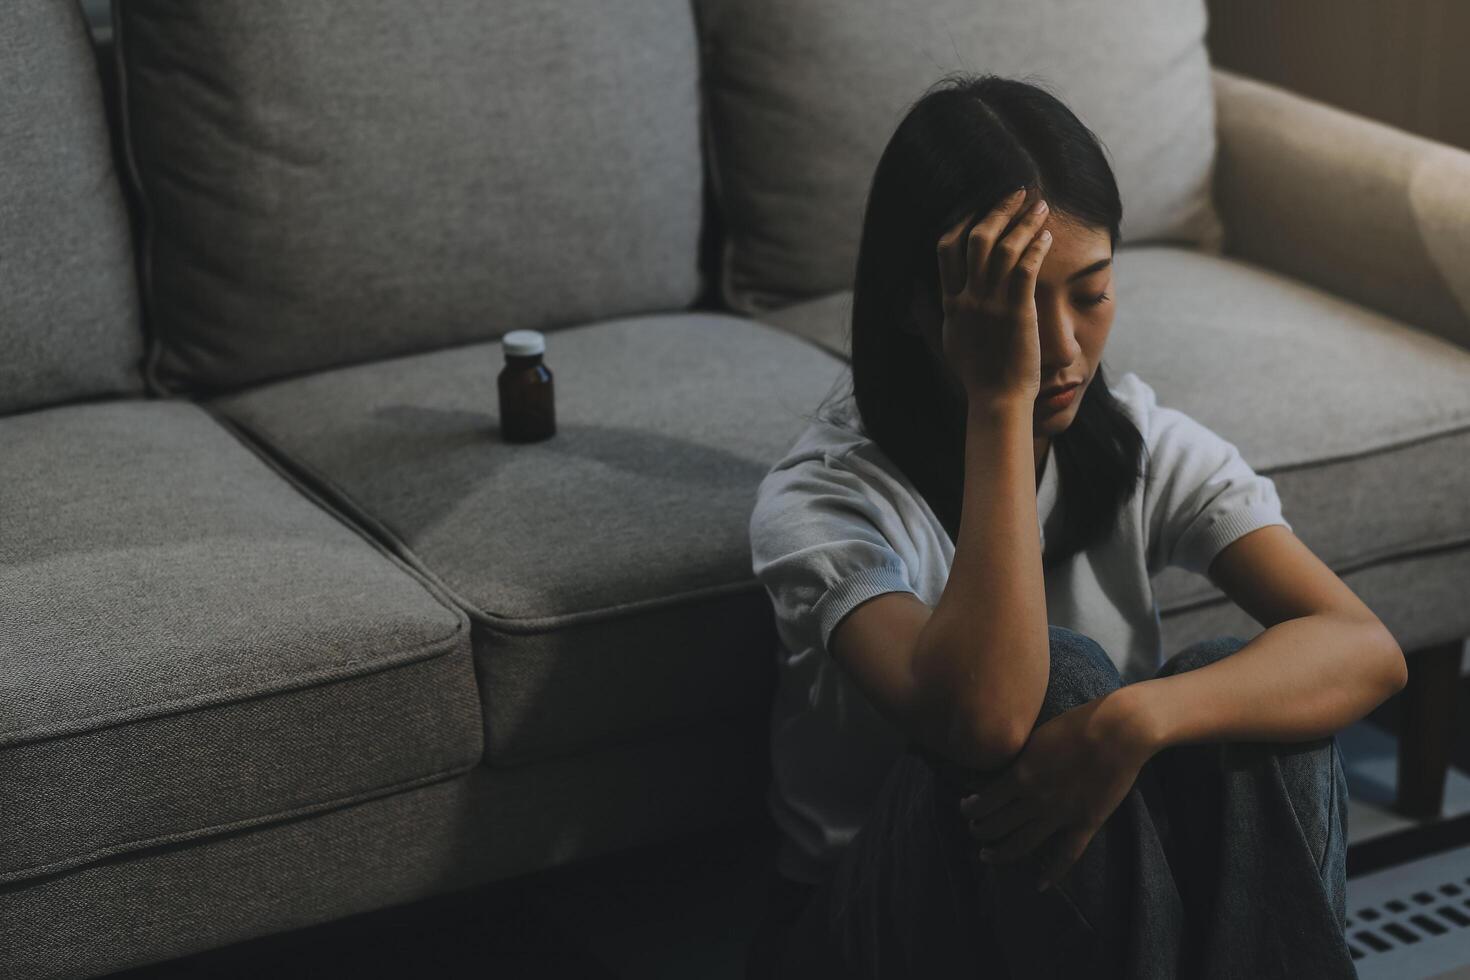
1401 62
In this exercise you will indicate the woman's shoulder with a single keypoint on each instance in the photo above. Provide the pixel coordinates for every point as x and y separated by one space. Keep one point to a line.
831 436
1136 395
832 460
1156 423
1164 427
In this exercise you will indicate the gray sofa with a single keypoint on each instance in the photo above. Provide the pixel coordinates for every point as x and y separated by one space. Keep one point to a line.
288 633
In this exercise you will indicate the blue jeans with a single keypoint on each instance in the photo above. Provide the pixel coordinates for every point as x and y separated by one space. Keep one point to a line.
1225 861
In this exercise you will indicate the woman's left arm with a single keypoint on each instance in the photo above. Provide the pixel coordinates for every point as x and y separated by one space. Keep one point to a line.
1323 661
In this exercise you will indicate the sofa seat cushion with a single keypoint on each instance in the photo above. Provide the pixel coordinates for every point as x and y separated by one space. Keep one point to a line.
68 284
329 184
607 569
1361 421
189 645
803 97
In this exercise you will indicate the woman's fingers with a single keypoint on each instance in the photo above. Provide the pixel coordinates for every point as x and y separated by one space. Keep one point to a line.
1067 852
1021 842
1023 280
983 239
1009 251
952 257
1000 823
983 258
992 796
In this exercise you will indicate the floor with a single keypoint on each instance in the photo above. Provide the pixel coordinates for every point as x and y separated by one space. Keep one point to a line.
1413 919
686 909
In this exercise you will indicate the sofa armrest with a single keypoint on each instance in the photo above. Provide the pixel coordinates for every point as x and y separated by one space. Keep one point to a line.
1351 205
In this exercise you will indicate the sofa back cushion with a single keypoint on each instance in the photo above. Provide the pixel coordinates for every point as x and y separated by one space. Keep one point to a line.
328 183
804 96
68 285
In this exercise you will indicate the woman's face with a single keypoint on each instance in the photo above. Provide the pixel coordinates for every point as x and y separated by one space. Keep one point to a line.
1074 314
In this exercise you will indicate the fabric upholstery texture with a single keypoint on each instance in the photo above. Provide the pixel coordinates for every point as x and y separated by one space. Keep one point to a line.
802 98
608 568
68 290
329 185
1359 208
1419 596
1362 422
190 645
227 712
486 825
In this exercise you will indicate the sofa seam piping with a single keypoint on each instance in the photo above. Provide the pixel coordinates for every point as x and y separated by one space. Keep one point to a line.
225 697
96 856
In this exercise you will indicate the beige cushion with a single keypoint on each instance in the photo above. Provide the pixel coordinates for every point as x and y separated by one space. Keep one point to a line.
804 96
1352 205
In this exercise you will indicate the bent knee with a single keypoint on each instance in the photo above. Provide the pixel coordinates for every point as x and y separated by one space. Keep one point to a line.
1316 784
1199 654
1081 670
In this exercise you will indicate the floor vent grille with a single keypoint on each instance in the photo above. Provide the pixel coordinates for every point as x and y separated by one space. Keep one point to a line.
1411 921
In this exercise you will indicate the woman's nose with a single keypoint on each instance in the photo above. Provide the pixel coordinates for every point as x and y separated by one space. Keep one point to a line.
1058 339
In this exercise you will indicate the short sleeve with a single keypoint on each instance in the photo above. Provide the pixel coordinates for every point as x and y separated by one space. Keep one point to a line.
821 543
1200 494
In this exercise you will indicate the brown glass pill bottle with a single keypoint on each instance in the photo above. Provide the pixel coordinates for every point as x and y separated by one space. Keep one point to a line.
527 408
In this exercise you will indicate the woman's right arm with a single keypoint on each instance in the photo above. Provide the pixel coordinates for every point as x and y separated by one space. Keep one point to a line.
983 656
966 679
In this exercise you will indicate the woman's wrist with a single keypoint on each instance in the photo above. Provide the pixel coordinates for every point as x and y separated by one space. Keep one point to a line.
991 404
1135 720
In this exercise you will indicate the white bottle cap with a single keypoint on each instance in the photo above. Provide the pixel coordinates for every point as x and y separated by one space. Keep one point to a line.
523 343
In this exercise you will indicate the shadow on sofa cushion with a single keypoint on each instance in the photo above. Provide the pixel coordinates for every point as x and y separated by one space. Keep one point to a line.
607 569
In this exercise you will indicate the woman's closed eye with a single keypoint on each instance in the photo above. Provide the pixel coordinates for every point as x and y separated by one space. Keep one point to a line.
1093 300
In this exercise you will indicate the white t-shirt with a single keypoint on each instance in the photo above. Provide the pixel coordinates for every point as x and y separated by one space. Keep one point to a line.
836 522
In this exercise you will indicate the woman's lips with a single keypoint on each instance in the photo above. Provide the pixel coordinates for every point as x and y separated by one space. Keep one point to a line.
1060 400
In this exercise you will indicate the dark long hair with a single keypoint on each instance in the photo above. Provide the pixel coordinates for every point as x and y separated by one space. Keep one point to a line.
967 142
963 145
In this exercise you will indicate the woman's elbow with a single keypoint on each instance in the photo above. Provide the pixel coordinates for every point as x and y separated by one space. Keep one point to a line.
990 745
1396 669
